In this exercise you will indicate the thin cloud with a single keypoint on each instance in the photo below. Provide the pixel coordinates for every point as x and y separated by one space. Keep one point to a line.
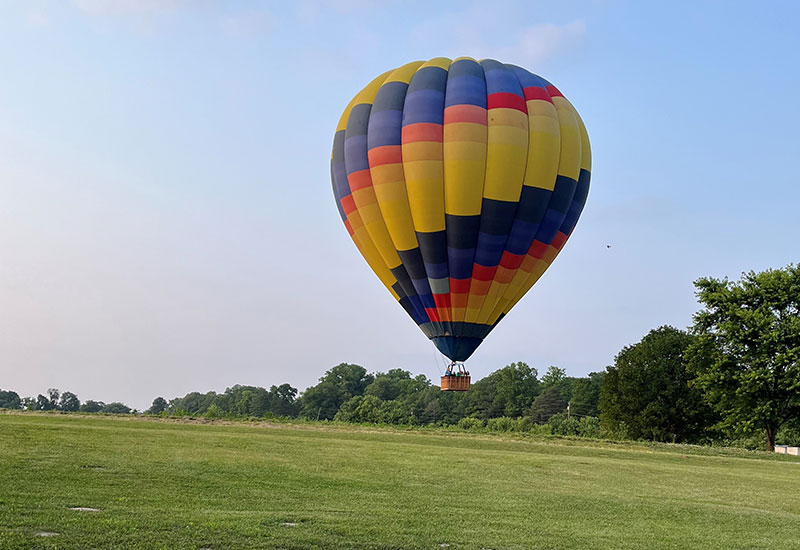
484 32
542 42
38 18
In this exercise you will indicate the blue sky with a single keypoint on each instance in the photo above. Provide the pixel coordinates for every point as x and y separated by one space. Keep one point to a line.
167 222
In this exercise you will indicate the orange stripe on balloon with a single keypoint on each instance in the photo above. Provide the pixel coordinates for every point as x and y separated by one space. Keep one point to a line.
458 299
480 287
388 154
465 113
349 205
422 131
359 180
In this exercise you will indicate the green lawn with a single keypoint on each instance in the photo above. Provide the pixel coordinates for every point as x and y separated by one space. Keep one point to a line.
162 484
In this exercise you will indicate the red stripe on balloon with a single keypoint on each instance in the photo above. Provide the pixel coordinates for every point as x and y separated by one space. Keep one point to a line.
442 301
349 204
483 273
505 100
433 315
559 240
554 91
537 249
535 92
511 261
459 286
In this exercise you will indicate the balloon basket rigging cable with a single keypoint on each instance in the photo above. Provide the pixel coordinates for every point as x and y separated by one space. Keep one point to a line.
456 378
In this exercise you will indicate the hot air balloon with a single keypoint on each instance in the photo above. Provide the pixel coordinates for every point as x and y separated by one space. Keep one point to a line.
459 182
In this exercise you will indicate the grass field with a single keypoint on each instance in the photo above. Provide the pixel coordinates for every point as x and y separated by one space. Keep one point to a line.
163 484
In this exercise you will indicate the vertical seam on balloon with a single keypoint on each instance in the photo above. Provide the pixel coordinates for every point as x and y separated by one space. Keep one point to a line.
484 304
381 207
532 276
585 154
366 240
512 297
409 292
483 190
438 325
458 330
444 209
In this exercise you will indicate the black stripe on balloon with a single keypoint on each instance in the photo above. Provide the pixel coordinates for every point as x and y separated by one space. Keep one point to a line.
359 119
497 216
433 247
462 231
563 193
428 78
391 96
412 260
533 204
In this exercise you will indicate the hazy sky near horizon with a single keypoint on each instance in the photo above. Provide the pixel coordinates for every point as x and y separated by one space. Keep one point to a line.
166 216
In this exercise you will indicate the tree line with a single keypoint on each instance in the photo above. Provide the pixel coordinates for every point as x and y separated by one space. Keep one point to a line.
733 377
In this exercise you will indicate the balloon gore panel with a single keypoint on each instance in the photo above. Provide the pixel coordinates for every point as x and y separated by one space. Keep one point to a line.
460 182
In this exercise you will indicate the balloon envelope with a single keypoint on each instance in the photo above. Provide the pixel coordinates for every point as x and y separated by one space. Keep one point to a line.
459 182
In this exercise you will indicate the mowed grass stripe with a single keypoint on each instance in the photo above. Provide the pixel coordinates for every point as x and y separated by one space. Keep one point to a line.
183 485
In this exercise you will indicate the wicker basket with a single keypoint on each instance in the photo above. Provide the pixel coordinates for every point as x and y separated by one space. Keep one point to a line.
455 383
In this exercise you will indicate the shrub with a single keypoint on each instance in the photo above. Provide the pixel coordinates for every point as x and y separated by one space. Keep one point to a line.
213 412
470 424
528 425
589 426
789 436
560 424
502 424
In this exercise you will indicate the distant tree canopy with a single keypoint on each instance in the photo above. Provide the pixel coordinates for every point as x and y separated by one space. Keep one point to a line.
235 401
736 373
342 382
585 394
69 402
647 394
159 406
116 408
516 386
9 400
92 406
53 401
747 353
556 377
547 404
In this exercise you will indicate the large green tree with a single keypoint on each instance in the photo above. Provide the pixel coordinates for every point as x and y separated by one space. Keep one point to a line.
69 402
92 406
585 394
283 400
548 403
159 406
336 386
747 353
116 408
395 384
9 400
646 394
516 387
